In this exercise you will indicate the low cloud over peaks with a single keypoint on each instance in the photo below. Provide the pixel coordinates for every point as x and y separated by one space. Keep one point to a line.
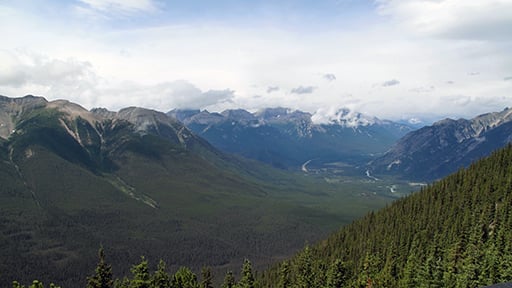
392 82
177 94
32 73
507 78
211 97
303 90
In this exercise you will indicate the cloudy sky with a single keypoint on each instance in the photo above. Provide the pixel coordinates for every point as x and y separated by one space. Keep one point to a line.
395 59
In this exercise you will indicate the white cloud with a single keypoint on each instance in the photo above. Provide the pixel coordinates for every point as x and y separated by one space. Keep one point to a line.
163 96
30 73
116 64
329 77
475 20
336 114
26 72
11 72
423 89
392 82
303 90
271 89
459 100
121 5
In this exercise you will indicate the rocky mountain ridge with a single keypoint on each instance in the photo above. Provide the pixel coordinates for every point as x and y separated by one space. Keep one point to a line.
437 150
144 121
287 138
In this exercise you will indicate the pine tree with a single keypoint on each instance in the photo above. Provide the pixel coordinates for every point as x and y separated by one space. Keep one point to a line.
337 274
284 275
451 265
160 278
247 278
36 284
140 272
103 274
304 269
184 278
229 280
122 283
206 278
371 266
409 278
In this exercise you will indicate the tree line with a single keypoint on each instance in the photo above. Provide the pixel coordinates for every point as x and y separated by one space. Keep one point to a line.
142 277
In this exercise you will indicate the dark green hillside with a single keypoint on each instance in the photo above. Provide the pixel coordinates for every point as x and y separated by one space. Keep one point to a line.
455 233
71 182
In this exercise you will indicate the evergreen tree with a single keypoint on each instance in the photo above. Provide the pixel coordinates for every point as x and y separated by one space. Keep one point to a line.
304 269
160 278
206 278
431 272
184 278
247 278
337 274
409 278
284 275
122 283
35 284
451 265
103 274
141 277
229 280
371 267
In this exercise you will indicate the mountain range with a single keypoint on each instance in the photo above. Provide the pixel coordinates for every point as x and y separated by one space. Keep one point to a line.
435 151
140 183
454 233
288 138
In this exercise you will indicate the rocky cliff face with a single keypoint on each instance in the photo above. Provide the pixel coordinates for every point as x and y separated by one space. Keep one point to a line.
12 109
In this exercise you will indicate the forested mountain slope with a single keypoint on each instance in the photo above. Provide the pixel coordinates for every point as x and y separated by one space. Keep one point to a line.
455 233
